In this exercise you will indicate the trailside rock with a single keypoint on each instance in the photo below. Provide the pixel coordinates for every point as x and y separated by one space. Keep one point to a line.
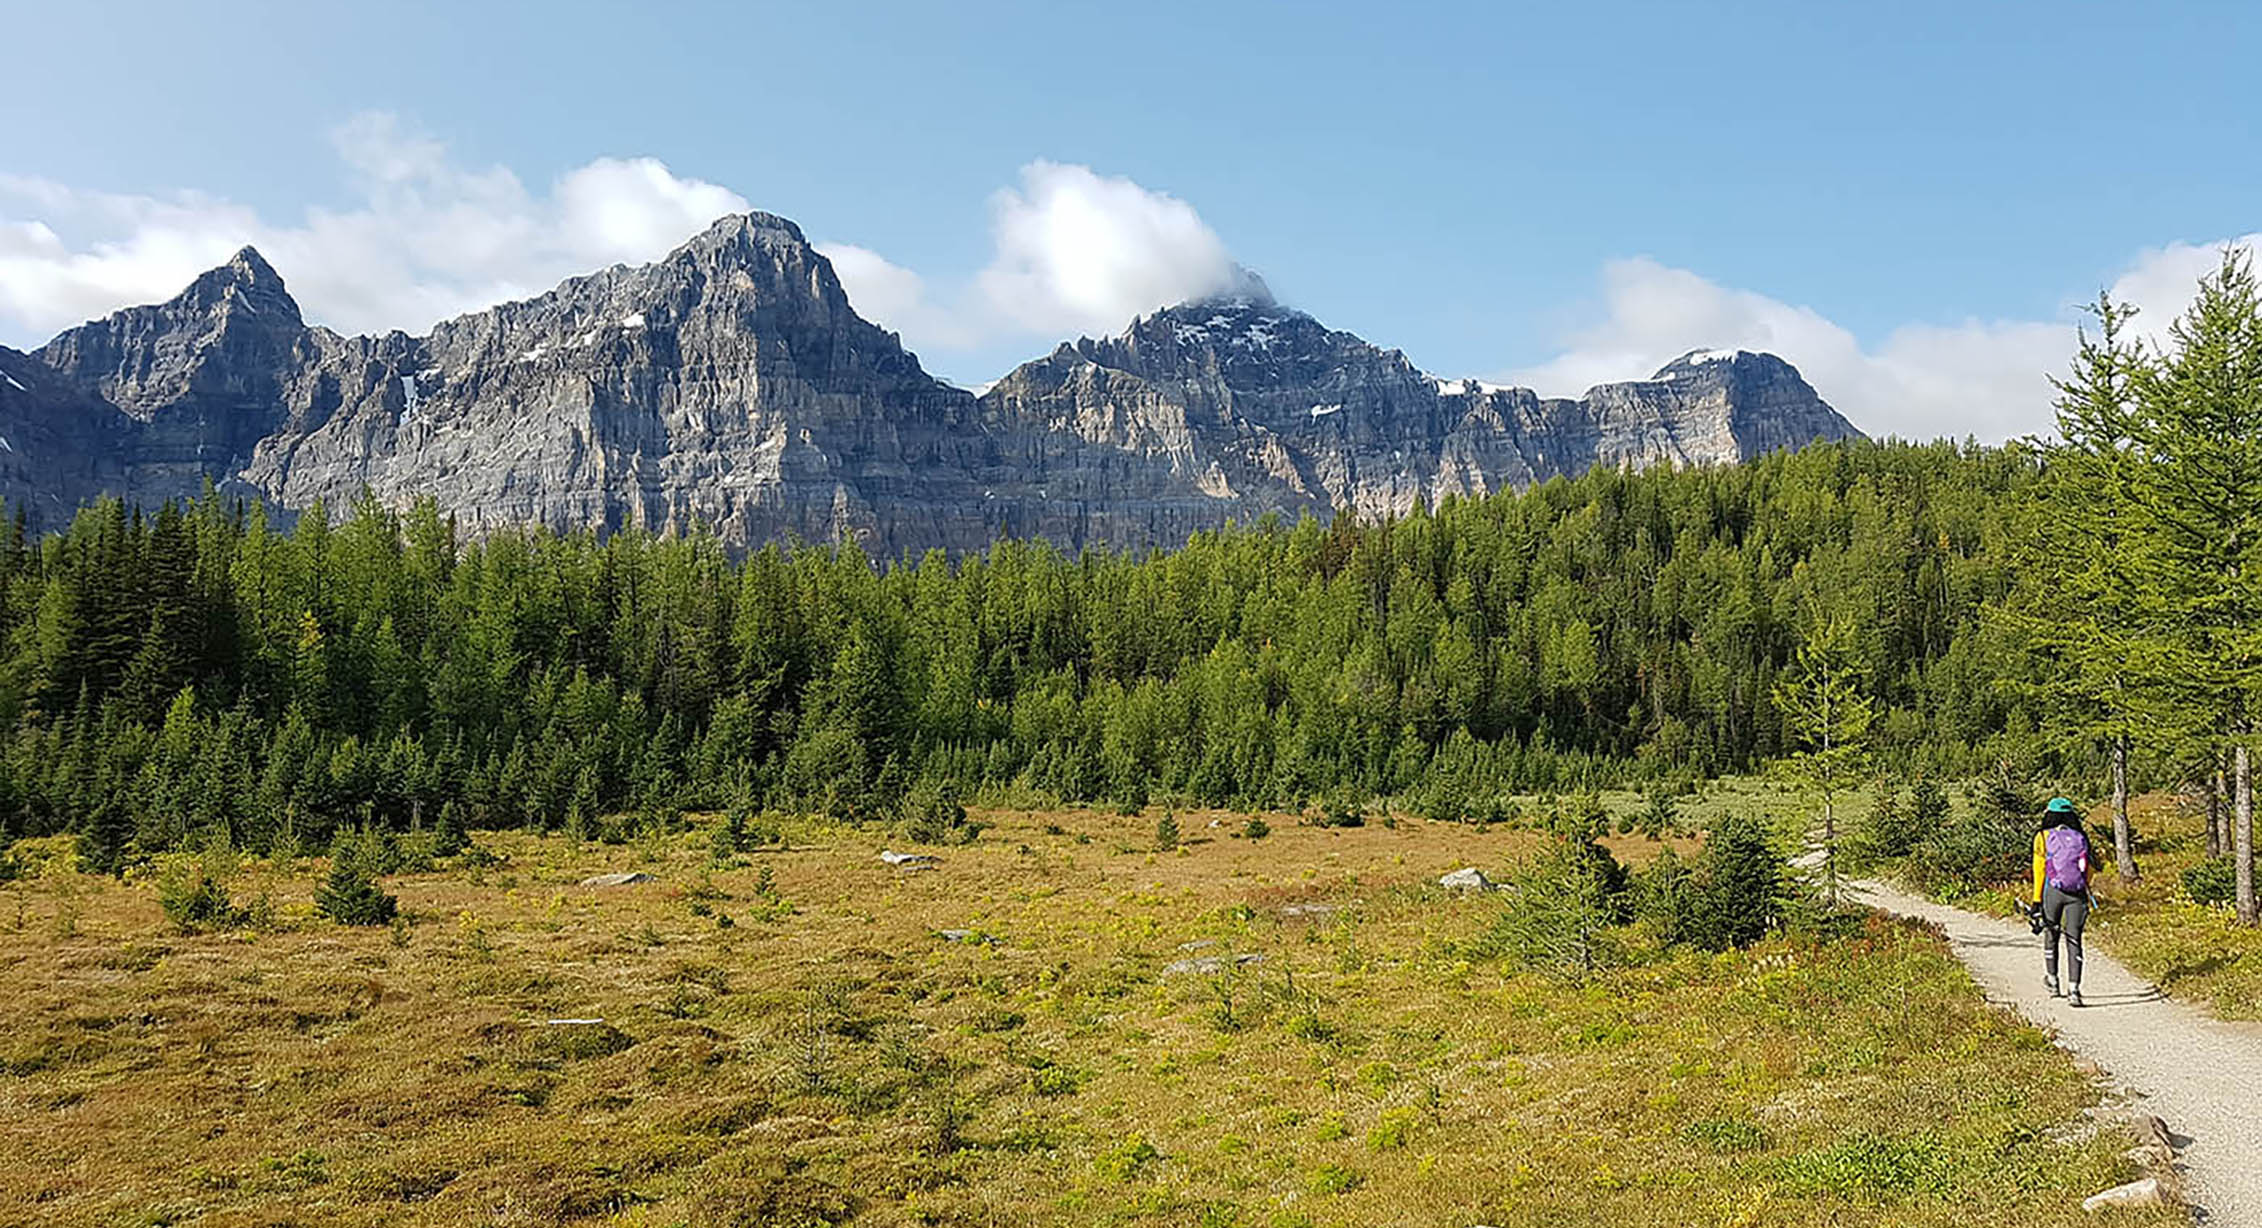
2145 1193
2149 1131
1468 878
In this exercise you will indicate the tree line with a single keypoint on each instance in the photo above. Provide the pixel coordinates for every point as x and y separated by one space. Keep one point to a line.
210 666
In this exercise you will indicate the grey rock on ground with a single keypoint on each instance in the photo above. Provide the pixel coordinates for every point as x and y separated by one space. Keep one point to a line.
1467 878
2145 1193
1210 965
626 879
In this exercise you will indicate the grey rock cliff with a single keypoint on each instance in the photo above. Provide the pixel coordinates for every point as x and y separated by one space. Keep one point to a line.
731 384
1243 406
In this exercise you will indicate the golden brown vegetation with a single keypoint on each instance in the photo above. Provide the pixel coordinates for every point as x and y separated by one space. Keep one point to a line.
792 1039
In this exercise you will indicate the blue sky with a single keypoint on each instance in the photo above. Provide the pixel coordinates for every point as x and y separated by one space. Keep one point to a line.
1907 198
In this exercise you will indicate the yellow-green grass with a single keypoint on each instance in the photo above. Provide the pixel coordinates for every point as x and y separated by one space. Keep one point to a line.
828 1057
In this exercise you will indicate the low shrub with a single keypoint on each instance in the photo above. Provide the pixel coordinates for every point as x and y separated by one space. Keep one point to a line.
2212 882
196 903
1972 851
1124 1161
1873 1168
1657 817
1725 1134
1394 1128
932 814
1343 810
1894 825
1566 902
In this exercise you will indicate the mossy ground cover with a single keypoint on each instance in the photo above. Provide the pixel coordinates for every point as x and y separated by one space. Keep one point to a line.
826 1055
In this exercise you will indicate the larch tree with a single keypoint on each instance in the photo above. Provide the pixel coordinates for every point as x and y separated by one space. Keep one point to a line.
1827 716
2198 494
2083 612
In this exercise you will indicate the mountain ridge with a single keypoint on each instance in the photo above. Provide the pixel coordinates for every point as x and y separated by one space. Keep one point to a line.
733 383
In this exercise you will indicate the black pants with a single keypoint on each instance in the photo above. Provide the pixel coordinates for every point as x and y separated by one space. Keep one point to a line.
2063 912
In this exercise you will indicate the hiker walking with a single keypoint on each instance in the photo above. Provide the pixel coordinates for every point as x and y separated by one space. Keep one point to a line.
2061 893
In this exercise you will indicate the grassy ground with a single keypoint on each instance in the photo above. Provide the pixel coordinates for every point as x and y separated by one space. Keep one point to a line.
828 1057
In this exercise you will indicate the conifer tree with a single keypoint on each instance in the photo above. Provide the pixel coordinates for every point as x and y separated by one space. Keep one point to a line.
2081 610
1828 717
350 895
107 843
2199 496
448 835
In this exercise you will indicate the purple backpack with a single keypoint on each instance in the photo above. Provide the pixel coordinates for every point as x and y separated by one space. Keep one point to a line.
2065 859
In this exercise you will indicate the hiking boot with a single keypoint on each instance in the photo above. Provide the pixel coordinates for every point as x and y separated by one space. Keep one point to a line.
2050 983
2075 996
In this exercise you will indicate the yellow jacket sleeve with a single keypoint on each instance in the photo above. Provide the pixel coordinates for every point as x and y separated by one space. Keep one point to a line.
2041 861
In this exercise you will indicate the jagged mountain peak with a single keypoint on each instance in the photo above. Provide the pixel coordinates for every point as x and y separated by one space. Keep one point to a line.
245 284
739 233
221 342
251 267
1704 360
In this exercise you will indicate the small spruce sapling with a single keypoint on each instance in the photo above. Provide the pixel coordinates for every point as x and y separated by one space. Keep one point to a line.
448 837
106 846
1655 819
351 895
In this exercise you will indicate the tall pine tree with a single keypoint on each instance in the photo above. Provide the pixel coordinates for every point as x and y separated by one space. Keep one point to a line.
2198 495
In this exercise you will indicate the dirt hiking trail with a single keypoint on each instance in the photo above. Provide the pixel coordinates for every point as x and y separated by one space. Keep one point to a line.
2201 1075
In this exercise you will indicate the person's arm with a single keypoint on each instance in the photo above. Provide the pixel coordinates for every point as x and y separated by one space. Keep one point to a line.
2041 859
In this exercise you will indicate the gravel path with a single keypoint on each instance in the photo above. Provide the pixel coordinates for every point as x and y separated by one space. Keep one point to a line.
2199 1074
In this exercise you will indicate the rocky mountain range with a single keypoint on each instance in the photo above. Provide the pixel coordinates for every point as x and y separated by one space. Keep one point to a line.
732 383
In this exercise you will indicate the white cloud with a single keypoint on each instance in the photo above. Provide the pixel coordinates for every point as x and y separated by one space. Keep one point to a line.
1982 378
1075 252
151 248
428 239
1078 252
